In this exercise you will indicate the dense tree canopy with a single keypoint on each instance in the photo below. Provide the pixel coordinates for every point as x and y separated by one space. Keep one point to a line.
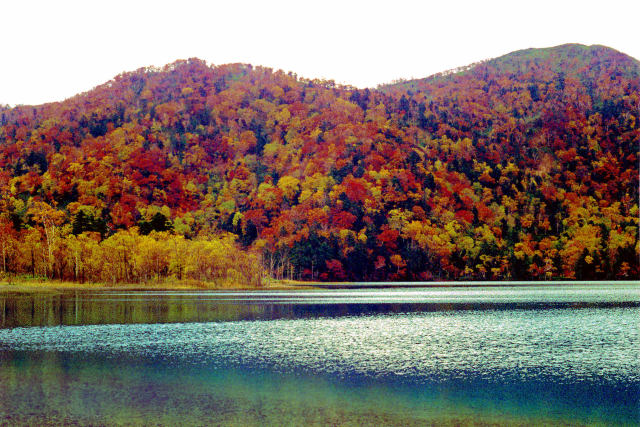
522 167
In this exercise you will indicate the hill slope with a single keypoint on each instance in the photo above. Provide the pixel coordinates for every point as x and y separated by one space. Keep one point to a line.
525 166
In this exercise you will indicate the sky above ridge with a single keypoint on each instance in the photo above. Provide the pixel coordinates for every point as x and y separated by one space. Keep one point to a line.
52 50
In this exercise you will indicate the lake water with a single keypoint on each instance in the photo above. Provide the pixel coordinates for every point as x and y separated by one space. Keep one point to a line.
562 355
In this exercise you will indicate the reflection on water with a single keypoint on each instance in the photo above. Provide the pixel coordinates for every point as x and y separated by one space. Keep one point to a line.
342 358
105 307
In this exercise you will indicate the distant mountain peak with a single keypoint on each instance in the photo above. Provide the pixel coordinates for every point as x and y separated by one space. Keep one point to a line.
570 58
567 54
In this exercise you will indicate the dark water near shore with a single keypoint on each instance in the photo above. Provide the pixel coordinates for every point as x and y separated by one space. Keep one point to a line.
567 355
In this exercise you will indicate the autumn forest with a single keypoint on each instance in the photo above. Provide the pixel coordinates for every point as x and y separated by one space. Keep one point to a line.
521 167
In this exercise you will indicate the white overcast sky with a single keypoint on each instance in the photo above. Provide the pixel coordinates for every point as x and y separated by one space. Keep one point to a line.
51 50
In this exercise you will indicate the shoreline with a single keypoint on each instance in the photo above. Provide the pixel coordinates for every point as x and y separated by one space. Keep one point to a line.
29 286
462 284
54 286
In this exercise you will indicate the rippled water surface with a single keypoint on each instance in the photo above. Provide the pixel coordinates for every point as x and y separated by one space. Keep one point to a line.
555 356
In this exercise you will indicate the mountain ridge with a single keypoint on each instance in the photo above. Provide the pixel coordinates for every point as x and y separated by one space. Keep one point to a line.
521 52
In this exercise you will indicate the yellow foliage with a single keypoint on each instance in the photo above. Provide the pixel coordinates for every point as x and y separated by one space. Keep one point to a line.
237 217
397 261
289 186
362 235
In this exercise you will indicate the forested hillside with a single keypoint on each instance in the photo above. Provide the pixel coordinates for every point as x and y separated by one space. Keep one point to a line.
521 167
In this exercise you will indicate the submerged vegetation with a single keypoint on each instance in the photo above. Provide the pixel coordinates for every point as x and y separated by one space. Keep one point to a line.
522 167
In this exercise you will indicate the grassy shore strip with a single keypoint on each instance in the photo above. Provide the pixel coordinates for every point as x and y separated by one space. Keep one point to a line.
30 285
457 284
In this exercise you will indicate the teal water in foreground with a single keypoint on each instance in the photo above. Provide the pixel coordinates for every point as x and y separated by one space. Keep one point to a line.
564 355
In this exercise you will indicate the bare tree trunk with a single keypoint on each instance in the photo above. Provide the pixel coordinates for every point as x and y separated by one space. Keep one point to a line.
270 271
75 270
49 234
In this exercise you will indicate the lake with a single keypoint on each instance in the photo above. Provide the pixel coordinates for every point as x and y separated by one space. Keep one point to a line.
554 355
